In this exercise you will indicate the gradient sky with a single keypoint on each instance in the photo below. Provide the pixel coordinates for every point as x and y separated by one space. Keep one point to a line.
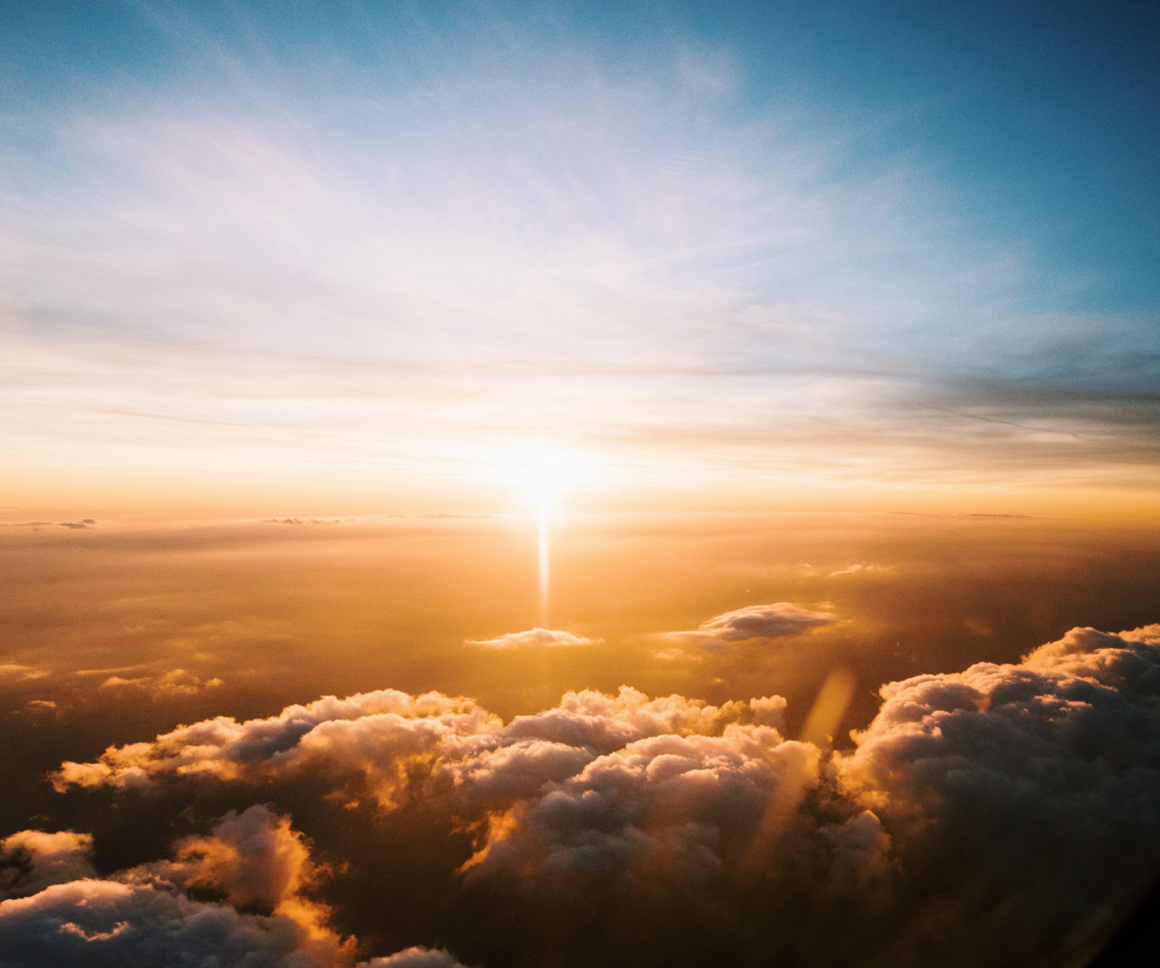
387 254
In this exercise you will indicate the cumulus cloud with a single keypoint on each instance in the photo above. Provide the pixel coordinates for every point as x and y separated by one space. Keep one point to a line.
253 858
753 622
375 732
106 922
31 860
1040 780
999 815
145 916
536 638
682 806
142 916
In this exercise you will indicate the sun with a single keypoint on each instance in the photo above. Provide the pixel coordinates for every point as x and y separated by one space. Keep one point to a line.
541 475
543 486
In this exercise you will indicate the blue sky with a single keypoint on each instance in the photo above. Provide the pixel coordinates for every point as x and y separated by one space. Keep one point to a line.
781 245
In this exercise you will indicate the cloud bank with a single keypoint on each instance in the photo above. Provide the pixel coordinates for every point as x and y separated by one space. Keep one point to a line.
1003 815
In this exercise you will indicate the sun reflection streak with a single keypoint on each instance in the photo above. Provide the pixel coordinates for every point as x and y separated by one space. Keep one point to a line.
542 474
542 513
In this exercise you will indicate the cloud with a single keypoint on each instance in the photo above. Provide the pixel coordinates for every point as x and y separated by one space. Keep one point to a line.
1040 780
536 638
118 922
176 682
31 860
145 915
40 708
673 653
254 858
415 958
83 525
678 806
998 815
82 921
373 733
862 568
19 671
751 623
142 915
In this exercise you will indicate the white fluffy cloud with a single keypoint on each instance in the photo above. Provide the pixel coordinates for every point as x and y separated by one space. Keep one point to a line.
1040 780
374 732
751 623
536 638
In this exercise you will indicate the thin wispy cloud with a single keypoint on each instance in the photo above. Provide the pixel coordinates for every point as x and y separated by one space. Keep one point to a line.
225 254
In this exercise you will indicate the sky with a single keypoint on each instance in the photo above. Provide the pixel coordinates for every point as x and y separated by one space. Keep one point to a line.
384 256
543 485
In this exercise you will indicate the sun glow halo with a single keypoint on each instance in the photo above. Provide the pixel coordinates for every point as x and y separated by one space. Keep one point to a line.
541 476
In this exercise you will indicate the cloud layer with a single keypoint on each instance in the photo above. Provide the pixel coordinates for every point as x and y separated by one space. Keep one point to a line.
1003 815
